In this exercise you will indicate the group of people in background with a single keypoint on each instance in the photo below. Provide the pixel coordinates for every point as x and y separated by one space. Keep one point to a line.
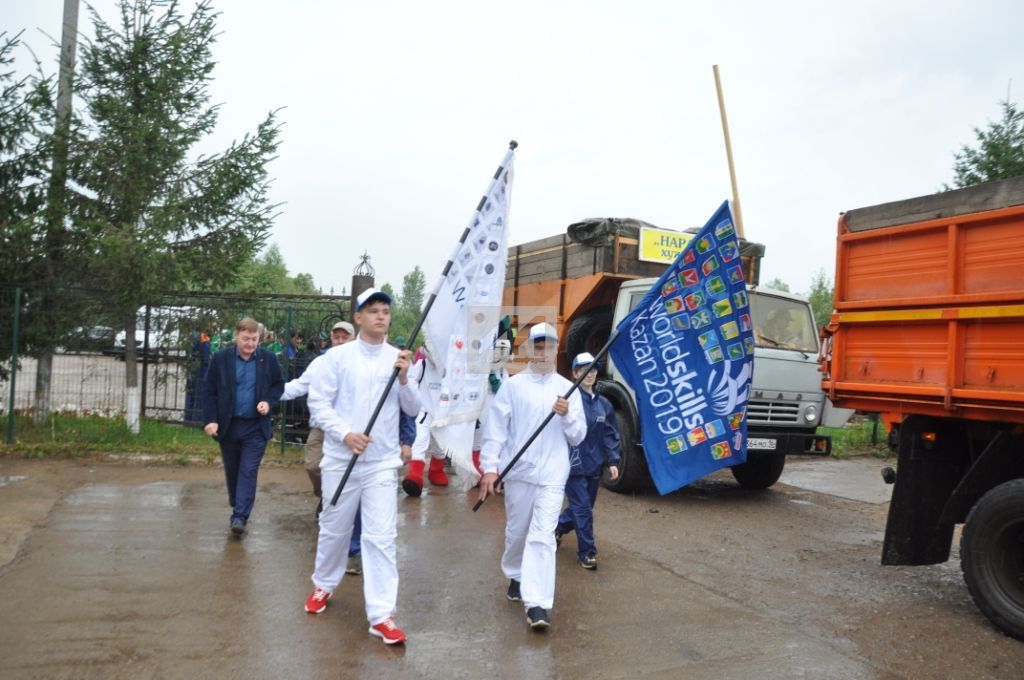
345 383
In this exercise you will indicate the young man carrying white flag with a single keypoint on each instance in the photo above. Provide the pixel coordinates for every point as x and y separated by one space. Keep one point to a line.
346 385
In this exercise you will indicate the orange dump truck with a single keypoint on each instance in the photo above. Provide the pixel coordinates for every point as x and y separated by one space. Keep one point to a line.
928 331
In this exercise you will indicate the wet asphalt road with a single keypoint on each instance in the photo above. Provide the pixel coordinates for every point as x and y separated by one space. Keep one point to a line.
129 571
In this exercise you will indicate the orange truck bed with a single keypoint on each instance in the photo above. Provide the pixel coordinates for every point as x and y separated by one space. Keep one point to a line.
929 307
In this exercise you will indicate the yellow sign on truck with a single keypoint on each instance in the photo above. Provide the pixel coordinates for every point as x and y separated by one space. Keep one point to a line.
661 245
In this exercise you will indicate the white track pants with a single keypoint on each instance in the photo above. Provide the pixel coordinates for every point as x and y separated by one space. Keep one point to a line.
425 442
377 492
531 513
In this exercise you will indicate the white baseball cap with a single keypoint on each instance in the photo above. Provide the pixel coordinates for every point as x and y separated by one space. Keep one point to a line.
371 295
344 326
582 359
543 331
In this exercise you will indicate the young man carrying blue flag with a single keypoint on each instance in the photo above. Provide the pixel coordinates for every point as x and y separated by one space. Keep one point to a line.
535 486
687 350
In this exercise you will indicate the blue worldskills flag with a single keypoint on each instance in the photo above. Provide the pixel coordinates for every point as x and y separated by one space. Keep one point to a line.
687 350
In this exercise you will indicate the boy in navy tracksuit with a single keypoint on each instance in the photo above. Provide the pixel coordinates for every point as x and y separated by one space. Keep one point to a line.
586 460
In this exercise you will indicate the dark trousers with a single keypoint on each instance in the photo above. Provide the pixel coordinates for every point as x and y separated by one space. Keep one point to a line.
355 545
242 451
579 516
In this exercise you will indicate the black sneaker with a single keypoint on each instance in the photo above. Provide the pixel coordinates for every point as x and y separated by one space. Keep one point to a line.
538 618
513 593
237 526
589 562
319 508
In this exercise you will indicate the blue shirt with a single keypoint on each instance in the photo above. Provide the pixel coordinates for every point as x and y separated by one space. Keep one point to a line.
245 387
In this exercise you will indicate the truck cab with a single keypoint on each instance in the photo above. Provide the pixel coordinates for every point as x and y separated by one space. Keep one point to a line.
786 402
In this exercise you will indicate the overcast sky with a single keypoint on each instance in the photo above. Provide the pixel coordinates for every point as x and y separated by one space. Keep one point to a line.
397 113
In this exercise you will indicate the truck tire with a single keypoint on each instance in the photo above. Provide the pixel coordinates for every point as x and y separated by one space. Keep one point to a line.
633 473
588 332
992 556
760 471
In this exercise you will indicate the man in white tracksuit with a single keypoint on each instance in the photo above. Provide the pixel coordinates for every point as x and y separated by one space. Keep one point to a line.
535 486
345 387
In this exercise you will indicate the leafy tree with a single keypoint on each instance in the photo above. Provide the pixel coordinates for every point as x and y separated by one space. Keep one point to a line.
821 297
159 220
26 149
405 308
999 154
413 286
267 273
778 284
26 119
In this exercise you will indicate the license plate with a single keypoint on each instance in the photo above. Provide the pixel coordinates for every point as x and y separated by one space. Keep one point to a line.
761 444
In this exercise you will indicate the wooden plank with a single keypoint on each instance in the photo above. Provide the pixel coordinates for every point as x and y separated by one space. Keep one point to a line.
989 196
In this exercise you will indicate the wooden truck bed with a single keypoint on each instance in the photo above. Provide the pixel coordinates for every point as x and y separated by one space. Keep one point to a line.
929 307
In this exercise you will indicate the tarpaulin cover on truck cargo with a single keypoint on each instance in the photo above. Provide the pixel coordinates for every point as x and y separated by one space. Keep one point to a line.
598 231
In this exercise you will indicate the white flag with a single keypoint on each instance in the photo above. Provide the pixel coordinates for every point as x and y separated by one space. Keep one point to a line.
463 322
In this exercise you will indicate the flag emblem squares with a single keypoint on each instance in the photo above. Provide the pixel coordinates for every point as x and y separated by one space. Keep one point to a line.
720 450
675 445
715 285
714 429
729 252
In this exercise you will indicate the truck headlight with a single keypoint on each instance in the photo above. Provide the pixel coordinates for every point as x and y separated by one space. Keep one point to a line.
811 413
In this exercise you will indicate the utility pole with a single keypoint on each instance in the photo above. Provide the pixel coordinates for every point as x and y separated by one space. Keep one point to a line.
56 204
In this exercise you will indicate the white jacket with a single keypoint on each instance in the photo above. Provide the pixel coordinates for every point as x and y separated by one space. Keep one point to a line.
293 389
344 388
519 407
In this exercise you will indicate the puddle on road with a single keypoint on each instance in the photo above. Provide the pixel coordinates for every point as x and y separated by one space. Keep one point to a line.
7 479
157 495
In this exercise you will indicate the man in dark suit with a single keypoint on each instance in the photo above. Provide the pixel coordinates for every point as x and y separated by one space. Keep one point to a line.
243 384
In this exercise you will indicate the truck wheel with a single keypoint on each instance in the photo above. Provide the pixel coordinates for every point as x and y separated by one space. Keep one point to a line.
588 332
760 471
992 556
633 473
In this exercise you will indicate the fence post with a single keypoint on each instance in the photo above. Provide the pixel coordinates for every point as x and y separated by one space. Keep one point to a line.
145 362
14 364
287 365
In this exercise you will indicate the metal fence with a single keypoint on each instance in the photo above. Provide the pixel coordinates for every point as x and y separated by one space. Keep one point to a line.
174 335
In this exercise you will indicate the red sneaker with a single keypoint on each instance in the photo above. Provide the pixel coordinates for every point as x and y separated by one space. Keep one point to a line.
317 602
388 632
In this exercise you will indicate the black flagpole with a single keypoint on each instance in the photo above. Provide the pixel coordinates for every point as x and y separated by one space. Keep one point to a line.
426 308
515 459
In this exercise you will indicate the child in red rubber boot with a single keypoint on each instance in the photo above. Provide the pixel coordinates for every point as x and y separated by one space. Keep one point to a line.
424 371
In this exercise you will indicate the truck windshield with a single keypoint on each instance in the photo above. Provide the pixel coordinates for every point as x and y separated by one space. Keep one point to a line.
783 324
